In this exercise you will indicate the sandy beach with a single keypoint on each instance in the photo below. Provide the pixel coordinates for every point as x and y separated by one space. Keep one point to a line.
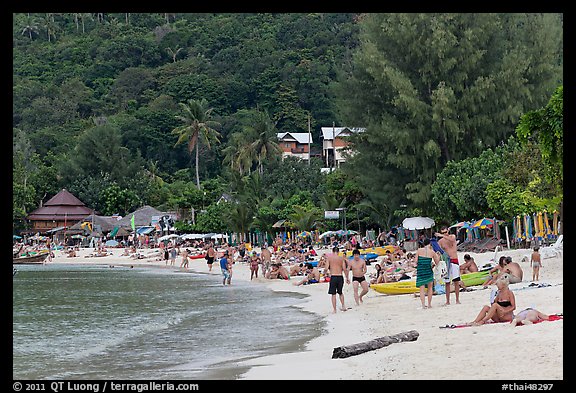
488 352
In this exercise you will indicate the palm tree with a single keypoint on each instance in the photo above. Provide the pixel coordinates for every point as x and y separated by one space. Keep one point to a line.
240 218
50 25
265 146
153 173
197 125
172 53
238 154
303 219
31 27
85 16
76 16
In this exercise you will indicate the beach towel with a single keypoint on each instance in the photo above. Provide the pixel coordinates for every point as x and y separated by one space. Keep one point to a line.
551 318
435 246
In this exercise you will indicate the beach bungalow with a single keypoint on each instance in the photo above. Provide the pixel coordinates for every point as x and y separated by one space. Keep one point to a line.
334 141
296 144
61 211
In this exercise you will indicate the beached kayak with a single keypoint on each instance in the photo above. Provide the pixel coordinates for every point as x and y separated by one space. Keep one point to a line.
367 257
379 251
409 286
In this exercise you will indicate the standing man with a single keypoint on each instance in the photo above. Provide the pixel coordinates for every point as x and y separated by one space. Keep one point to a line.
210 255
337 265
358 267
224 267
448 244
266 257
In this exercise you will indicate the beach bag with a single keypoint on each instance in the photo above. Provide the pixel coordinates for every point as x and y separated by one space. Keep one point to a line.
439 289
440 271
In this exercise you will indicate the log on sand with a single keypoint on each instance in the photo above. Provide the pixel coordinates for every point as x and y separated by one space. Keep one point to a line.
380 342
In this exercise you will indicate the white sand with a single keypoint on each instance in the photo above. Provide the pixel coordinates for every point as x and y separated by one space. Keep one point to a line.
488 352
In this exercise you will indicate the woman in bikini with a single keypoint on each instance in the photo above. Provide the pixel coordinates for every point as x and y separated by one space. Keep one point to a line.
502 310
254 262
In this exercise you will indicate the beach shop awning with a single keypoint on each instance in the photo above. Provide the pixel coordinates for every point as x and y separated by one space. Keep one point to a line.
145 230
279 224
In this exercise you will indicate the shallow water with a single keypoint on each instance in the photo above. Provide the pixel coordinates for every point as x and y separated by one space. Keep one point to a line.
96 322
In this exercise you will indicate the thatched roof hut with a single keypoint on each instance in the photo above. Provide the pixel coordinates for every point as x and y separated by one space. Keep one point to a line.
142 217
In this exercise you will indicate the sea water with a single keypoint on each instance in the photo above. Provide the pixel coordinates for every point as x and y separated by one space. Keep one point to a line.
98 322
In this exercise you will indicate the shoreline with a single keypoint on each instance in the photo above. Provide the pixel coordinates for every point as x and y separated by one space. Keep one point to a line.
447 350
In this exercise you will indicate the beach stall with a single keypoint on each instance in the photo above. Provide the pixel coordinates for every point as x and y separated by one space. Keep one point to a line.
416 224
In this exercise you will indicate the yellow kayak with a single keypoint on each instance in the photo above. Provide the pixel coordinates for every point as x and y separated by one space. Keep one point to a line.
409 286
372 250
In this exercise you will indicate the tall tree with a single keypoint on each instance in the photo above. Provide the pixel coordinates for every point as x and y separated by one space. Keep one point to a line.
431 88
31 27
266 144
197 126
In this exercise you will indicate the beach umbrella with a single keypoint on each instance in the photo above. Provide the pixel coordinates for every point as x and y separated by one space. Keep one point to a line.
540 226
167 237
528 226
415 223
547 225
111 243
16 237
343 232
518 229
304 234
483 223
555 223
328 233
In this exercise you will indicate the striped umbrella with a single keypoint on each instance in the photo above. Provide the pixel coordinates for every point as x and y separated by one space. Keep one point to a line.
528 227
547 225
540 226
535 221
517 229
555 223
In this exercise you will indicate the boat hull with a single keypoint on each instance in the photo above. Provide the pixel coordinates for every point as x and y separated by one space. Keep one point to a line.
32 259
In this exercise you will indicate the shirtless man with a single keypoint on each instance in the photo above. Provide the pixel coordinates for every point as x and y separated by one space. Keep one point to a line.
210 255
337 265
358 267
266 256
514 270
469 266
283 272
448 244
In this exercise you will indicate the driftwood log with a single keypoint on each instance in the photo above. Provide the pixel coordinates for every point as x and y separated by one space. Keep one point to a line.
380 342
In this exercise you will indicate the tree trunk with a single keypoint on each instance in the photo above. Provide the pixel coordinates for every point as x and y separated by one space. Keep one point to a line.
357 349
197 172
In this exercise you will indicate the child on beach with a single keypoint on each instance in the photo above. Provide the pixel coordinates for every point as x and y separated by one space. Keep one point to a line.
536 264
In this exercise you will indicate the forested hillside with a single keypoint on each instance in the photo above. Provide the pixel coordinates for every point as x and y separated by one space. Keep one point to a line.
96 95
173 110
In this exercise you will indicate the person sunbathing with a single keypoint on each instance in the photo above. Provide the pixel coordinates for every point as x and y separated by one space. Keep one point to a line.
528 316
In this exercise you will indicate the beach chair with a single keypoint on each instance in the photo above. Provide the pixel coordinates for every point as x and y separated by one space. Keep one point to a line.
554 250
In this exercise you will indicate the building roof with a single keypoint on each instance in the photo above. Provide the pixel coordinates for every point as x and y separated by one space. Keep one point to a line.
62 206
329 133
300 137
104 223
142 217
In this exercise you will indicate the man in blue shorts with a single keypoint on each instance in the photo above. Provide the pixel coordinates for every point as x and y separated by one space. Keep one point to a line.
224 268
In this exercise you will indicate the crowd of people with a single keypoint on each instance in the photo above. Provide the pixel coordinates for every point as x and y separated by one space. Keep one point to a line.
300 260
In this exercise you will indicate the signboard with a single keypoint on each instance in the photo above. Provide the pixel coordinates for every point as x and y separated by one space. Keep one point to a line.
331 214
